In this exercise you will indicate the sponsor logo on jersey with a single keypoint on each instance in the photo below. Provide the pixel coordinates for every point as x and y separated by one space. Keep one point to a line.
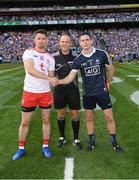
92 71
70 62
58 65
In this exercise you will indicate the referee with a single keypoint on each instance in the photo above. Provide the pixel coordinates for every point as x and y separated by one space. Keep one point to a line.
66 95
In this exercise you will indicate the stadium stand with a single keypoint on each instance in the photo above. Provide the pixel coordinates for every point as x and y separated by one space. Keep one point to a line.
113 24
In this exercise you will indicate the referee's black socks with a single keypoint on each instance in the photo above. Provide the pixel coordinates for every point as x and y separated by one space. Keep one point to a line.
75 127
61 126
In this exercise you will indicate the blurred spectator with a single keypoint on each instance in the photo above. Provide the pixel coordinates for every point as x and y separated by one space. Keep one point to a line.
118 16
116 41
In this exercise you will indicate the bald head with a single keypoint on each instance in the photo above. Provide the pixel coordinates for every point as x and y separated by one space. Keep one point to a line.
65 43
65 36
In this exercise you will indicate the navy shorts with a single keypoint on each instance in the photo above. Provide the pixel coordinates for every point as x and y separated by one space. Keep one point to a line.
103 100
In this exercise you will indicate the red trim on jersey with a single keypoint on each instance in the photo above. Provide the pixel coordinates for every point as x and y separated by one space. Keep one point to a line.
40 51
34 49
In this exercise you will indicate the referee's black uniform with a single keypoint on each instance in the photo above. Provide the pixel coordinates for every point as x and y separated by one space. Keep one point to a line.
65 94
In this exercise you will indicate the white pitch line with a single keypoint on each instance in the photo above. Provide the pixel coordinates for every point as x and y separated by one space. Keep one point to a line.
69 167
116 80
135 97
134 76
4 107
10 70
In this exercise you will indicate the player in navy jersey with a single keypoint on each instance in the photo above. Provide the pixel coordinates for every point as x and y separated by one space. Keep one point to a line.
64 95
93 64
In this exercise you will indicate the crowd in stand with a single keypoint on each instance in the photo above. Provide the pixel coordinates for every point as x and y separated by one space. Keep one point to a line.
119 16
117 42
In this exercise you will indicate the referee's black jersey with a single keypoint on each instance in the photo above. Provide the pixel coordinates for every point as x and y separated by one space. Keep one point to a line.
93 71
63 66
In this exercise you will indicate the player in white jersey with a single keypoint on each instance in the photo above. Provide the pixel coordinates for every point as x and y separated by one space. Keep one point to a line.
39 67
43 62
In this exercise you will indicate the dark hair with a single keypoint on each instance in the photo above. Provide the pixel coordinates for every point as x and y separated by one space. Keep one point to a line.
85 33
41 31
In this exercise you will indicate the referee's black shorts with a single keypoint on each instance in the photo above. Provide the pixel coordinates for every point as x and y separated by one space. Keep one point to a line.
67 96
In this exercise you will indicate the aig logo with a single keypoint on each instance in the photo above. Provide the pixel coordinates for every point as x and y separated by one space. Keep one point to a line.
92 71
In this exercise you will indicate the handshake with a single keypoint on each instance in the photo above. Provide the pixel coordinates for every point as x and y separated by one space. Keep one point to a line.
54 81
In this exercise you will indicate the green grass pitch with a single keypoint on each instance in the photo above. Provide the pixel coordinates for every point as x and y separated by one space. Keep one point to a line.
102 163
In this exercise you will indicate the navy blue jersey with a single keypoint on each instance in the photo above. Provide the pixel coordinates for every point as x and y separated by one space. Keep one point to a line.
93 71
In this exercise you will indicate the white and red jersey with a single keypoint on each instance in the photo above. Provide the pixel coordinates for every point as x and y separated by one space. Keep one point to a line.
43 62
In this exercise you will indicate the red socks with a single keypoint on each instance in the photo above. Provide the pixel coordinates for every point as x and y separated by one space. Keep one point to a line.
21 144
45 142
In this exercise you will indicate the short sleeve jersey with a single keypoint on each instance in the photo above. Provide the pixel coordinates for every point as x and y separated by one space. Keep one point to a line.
43 62
63 66
93 71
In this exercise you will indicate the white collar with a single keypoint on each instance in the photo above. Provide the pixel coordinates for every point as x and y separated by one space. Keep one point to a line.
88 55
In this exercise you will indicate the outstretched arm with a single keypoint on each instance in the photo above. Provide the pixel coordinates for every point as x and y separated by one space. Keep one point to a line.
71 76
